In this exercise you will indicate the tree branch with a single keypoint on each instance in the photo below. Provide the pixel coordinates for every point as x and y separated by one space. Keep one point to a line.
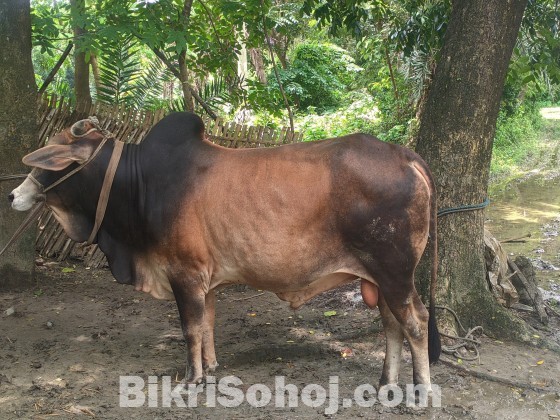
216 34
393 82
55 69
177 74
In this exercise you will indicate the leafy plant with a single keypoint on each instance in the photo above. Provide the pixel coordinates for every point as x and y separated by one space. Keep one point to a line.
360 114
118 71
148 92
516 136
317 75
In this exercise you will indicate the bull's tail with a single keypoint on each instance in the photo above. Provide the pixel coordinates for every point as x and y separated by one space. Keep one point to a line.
434 340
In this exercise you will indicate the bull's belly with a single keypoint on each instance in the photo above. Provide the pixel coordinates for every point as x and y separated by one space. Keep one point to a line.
294 287
300 296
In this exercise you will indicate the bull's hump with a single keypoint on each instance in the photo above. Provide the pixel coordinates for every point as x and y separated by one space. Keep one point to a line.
181 127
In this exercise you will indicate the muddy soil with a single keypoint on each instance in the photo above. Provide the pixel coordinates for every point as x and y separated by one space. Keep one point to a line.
65 343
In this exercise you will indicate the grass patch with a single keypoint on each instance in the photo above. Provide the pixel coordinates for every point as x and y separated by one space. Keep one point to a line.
517 142
525 142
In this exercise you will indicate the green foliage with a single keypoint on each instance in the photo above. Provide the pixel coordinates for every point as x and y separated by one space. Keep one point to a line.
422 27
64 80
347 14
534 71
118 72
317 76
148 90
341 70
358 115
264 99
50 36
516 136
48 23
395 110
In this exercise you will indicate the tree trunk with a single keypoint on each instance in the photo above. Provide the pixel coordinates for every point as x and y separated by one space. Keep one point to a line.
242 57
258 63
184 80
455 138
18 133
81 66
95 71
183 70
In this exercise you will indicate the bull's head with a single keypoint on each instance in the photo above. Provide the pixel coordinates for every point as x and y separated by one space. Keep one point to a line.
74 145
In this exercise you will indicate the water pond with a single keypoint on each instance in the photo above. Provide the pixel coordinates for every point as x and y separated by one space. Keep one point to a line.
528 212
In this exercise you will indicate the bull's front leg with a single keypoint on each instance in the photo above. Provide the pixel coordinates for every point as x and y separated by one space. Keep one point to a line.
209 362
191 304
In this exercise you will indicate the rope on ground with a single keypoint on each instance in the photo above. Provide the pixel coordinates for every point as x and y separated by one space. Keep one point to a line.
468 341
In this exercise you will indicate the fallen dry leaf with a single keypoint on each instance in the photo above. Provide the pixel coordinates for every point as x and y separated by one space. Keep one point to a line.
347 352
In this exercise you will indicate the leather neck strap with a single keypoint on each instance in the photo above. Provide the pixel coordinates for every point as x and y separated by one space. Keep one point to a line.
106 189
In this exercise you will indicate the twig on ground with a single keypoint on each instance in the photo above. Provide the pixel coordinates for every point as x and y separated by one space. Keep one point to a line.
249 297
503 381
548 306
518 239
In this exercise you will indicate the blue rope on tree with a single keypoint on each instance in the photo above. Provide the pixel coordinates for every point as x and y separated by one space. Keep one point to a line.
463 208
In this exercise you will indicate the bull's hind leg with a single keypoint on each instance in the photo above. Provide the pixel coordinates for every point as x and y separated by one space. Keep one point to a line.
393 333
403 314
393 343
412 316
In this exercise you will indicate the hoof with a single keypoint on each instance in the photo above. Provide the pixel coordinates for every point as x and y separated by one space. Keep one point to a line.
210 367
192 380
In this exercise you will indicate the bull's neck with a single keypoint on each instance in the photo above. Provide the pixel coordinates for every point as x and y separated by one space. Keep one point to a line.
150 182
124 218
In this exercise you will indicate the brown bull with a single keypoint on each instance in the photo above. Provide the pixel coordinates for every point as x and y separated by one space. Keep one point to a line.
185 217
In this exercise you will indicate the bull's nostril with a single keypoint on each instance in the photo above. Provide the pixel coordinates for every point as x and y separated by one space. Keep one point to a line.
11 197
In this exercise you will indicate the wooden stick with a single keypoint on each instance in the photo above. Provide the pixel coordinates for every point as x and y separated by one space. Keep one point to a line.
533 292
518 239
249 297
503 381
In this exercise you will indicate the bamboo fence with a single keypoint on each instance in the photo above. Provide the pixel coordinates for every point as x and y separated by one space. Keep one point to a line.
130 126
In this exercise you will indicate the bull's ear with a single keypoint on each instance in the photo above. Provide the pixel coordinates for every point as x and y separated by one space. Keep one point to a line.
57 156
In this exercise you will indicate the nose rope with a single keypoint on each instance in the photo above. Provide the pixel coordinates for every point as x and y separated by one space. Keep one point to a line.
34 180
31 217
10 177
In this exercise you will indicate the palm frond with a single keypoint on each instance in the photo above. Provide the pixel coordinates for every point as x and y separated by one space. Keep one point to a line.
148 93
118 71
418 72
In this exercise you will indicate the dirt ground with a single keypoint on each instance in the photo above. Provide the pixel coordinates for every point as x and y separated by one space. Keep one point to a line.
65 343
